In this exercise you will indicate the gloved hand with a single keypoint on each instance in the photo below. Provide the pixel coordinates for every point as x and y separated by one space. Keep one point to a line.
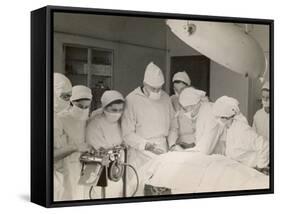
186 145
152 148
176 147
158 151
149 146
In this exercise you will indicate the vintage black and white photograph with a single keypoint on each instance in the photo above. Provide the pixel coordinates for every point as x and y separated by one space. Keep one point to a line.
148 106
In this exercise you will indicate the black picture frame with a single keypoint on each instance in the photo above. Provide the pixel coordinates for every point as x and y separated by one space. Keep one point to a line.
42 104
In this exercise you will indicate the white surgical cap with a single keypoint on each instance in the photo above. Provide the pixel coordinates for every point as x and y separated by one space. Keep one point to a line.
226 107
61 84
190 96
81 92
153 75
182 76
111 96
265 85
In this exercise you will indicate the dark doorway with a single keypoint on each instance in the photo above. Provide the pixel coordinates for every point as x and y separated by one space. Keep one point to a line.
197 67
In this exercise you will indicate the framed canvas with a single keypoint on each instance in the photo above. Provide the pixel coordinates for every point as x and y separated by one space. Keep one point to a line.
134 106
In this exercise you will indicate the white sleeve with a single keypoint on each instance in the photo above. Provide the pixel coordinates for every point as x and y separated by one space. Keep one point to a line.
173 129
209 139
262 149
128 124
94 135
255 123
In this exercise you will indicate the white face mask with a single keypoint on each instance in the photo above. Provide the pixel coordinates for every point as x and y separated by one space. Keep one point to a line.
265 104
112 117
79 113
154 95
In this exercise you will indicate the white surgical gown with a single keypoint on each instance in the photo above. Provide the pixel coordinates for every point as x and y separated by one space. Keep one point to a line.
145 120
75 130
59 142
261 123
175 102
102 133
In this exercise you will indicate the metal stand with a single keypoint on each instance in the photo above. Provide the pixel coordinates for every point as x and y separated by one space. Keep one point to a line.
125 172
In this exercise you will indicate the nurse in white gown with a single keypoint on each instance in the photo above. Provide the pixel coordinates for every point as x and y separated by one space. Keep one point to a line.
261 118
74 121
104 132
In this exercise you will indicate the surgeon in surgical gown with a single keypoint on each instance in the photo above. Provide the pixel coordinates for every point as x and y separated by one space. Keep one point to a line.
148 123
104 132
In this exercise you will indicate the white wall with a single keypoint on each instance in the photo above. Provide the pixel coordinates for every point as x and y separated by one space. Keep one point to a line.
225 82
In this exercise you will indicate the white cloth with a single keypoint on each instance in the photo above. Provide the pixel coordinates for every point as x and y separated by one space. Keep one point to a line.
145 120
175 102
261 123
153 75
75 130
110 96
60 140
226 107
58 185
193 172
249 148
81 92
190 96
182 76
